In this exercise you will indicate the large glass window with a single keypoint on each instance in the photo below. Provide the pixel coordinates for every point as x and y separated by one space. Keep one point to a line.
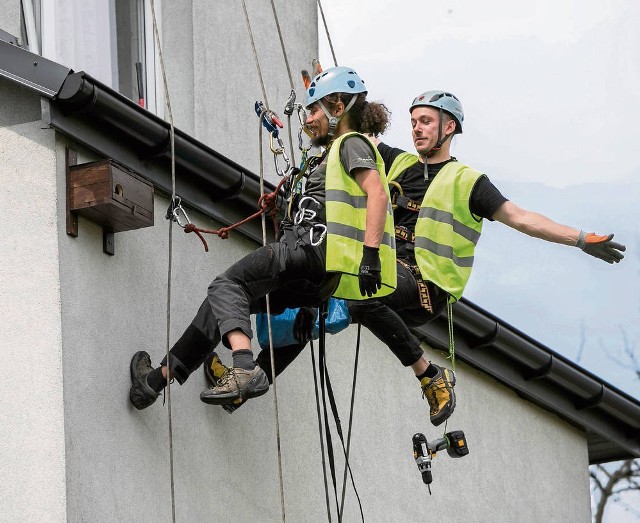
130 37
31 35
112 40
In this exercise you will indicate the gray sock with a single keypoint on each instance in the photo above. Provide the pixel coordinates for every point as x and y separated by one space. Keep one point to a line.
243 359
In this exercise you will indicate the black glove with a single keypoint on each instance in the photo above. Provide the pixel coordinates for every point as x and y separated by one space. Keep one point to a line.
303 324
601 247
369 274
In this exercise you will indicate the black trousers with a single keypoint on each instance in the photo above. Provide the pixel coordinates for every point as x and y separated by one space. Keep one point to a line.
383 318
291 271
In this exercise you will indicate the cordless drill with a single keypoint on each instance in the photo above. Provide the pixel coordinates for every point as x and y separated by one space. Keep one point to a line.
424 451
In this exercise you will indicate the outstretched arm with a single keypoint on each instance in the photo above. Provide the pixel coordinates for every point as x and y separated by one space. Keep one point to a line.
539 226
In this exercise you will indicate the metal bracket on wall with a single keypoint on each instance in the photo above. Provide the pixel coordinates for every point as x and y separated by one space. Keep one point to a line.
108 238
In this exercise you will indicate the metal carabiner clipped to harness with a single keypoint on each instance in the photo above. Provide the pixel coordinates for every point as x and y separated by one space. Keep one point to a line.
271 122
277 152
304 213
302 119
176 212
323 233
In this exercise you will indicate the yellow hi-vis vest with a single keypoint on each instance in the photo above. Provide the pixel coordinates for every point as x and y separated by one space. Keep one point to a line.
400 164
346 209
446 231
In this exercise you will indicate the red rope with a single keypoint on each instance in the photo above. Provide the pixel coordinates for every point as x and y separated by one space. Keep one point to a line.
266 202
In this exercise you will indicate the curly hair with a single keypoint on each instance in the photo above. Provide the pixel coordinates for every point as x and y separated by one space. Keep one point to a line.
364 117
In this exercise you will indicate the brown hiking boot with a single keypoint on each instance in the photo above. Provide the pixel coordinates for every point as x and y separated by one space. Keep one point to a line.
214 370
236 384
439 393
140 394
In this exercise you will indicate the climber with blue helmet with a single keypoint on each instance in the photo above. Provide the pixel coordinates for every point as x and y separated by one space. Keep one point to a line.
336 240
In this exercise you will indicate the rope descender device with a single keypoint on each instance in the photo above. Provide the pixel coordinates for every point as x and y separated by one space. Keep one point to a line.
271 123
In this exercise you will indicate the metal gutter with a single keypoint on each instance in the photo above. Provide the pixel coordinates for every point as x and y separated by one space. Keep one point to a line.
113 126
610 417
28 69
116 127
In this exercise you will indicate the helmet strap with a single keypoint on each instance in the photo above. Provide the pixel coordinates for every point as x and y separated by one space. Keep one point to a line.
334 120
441 140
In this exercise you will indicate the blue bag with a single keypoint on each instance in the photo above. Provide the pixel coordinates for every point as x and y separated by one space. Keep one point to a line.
338 319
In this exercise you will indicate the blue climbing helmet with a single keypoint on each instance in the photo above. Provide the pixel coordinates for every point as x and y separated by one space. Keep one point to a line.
334 80
445 102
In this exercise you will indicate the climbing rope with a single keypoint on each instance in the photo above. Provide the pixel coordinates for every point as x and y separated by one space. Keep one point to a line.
289 106
267 204
264 242
324 464
255 52
173 191
326 28
353 397
452 349
327 392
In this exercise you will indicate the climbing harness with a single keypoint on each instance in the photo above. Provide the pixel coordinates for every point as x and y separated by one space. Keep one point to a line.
423 289
398 199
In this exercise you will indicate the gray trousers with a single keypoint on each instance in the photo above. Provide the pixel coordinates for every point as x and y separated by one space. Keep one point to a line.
291 271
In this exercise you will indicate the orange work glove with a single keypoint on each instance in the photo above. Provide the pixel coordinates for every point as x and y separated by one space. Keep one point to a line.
601 246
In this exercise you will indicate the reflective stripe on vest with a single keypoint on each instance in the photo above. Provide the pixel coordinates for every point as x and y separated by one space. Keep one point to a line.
446 231
346 210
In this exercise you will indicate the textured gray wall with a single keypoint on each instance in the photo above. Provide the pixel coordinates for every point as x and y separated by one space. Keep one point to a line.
10 17
75 316
32 451
213 78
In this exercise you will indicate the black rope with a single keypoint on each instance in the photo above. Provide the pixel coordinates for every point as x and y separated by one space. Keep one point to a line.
353 395
324 465
326 28
327 429
325 384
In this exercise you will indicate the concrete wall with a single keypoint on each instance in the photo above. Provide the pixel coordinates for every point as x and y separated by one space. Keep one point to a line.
213 78
74 449
10 17
32 447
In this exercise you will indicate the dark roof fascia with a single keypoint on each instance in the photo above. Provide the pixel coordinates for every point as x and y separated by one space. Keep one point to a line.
114 126
29 69
7 37
610 417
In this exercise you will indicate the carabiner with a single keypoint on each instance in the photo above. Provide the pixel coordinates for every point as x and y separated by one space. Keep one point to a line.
302 119
317 242
175 210
288 108
277 153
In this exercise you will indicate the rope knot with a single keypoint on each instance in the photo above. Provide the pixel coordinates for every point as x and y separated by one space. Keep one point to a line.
267 201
